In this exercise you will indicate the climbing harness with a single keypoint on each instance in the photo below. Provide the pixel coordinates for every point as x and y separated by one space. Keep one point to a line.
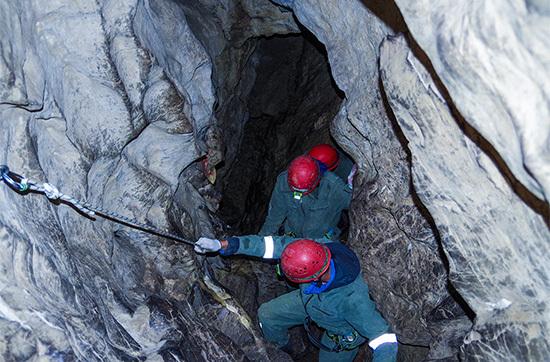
341 343
22 185
345 342
329 234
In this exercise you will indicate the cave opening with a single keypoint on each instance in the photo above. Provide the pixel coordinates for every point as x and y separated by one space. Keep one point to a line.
289 107
275 99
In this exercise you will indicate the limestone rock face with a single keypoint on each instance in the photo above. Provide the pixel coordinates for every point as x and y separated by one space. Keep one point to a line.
230 31
497 246
109 101
493 59
145 108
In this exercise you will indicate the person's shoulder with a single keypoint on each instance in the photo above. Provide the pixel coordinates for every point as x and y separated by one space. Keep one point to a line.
336 244
282 182
283 175
333 181
355 291
331 177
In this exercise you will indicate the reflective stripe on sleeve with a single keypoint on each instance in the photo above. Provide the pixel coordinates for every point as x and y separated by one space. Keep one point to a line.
385 338
269 247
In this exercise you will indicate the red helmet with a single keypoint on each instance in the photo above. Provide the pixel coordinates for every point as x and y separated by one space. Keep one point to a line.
326 154
303 174
305 260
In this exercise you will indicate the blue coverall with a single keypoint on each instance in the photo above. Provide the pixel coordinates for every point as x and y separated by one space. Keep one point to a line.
342 309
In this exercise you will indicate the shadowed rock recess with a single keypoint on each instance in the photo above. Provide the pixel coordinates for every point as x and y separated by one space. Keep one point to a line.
130 104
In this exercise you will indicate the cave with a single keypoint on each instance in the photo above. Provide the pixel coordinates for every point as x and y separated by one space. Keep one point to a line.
176 116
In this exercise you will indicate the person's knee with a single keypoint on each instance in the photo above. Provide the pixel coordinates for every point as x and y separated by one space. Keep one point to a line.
265 314
268 326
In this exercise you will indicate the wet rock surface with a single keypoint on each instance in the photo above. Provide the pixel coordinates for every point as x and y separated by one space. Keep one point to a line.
493 65
502 279
138 105
101 102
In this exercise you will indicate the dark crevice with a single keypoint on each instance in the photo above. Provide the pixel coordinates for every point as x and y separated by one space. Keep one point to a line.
539 206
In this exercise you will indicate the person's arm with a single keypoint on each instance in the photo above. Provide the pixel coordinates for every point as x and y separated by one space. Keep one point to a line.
340 192
267 247
363 316
277 211
346 197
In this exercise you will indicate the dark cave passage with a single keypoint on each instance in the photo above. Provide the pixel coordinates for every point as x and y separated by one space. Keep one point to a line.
289 108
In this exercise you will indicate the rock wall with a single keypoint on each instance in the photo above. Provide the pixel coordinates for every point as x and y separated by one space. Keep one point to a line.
112 102
496 245
130 104
492 59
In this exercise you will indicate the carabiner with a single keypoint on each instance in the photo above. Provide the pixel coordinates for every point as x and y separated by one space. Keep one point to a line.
3 170
15 181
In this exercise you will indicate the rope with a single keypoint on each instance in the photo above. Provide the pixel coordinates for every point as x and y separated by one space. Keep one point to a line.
22 184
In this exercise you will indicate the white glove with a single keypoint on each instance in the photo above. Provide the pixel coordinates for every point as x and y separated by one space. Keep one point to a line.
207 245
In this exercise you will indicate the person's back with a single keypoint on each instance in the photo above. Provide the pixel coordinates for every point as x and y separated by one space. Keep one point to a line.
345 167
332 159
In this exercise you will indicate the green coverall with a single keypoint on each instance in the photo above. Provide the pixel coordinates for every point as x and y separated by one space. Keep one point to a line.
340 311
344 166
315 215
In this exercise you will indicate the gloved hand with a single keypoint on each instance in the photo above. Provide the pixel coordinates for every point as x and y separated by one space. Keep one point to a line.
207 245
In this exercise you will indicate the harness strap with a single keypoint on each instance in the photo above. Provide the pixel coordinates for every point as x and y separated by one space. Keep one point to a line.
348 344
316 341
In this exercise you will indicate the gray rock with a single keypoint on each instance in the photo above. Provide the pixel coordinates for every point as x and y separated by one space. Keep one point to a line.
242 23
161 28
130 61
162 154
74 58
163 105
493 60
496 245
21 80
118 103
79 288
